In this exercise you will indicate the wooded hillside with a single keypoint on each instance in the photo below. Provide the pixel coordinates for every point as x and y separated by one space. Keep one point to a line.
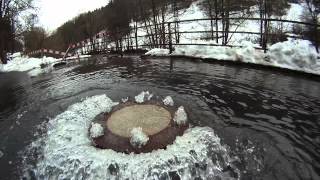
118 15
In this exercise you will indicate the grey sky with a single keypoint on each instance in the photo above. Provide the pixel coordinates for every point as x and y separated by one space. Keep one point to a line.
53 13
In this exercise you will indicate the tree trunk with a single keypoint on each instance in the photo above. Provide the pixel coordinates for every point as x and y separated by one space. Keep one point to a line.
12 37
176 24
149 35
155 23
216 20
211 19
261 22
265 36
163 28
227 25
136 34
223 21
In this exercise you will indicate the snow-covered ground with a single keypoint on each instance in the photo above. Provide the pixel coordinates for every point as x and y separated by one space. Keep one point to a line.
299 55
33 66
294 12
292 54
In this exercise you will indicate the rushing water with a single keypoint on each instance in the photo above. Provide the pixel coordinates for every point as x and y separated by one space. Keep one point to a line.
268 122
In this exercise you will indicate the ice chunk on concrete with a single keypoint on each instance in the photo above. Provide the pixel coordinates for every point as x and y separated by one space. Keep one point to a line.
158 52
138 137
168 101
143 96
180 117
96 130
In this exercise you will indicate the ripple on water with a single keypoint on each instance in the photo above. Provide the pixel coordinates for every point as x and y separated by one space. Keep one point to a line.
277 107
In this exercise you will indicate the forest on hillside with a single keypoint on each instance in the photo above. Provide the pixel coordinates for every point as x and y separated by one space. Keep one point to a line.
14 22
121 17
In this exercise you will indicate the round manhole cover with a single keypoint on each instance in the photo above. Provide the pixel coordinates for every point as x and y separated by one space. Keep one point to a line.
151 118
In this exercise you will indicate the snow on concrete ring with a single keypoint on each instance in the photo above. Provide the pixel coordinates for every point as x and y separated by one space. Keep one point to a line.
96 130
142 125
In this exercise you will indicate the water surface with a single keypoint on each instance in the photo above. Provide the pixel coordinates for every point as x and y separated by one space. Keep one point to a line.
269 120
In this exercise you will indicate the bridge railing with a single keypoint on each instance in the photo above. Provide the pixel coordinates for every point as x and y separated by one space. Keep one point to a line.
47 52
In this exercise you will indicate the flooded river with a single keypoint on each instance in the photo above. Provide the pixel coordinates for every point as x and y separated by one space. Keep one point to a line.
268 122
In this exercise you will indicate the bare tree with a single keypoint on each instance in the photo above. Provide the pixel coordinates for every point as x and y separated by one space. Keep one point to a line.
9 10
34 39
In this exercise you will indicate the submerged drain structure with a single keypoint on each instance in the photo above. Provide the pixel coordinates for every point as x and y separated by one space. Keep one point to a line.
139 126
87 140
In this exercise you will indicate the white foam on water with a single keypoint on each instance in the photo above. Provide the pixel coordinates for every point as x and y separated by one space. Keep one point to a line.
66 151
168 101
138 137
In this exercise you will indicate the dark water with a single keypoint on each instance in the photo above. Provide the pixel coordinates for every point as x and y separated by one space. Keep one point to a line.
270 120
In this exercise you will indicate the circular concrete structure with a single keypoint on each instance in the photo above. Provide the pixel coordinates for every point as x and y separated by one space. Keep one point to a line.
155 120
151 118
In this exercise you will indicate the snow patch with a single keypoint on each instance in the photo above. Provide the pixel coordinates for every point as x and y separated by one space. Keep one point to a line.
297 55
246 53
158 52
15 55
34 66
143 96
138 137
78 57
96 130
168 101
1 154
295 12
180 117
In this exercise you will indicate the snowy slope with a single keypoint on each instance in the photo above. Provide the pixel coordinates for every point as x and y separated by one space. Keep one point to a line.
297 55
292 54
194 12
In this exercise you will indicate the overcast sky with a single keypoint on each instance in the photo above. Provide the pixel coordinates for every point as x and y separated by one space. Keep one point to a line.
53 13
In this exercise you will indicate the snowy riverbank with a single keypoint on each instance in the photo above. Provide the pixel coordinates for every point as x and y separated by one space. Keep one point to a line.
33 66
297 55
